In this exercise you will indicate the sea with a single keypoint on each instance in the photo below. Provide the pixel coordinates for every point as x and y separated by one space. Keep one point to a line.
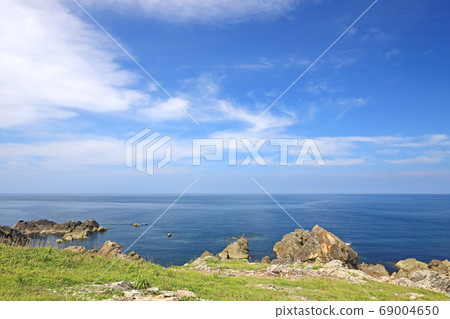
381 228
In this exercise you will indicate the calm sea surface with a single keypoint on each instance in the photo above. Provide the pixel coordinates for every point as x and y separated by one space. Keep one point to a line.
382 228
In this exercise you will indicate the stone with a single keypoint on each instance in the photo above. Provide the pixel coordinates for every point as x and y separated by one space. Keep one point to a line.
439 267
137 225
376 271
92 251
169 235
77 234
431 280
13 237
59 241
76 249
135 256
317 245
122 286
206 254
185 294
409 266
102 229
265 260
110 249
236 250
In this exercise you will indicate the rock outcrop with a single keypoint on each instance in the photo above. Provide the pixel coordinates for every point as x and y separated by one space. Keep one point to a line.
236 250
70 230
265 260
431 280
317 245
111 249
408 266
13 237
440 267
376 271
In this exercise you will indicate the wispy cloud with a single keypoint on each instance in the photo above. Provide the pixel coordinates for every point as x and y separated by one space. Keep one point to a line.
56 65
199 11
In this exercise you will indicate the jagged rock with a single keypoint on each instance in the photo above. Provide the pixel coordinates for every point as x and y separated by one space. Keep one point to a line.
13 237
409 266
76 234
134 256
431 280
446 263
76 249
110 249
70 230
206 254
439 267
376 271
265 260
102 229
236 250
317 245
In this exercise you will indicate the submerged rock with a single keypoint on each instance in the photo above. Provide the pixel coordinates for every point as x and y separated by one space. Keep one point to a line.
236 250
11 236
317 245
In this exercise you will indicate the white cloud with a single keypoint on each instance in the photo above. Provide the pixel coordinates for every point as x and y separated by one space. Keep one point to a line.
65 154
418 160
198 11
167 110
53 65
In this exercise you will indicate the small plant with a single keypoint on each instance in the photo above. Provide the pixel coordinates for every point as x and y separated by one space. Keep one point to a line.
141 284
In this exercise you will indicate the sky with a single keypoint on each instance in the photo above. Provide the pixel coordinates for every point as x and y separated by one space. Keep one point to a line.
80 78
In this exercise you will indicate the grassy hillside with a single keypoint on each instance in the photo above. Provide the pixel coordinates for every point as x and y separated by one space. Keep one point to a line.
46 273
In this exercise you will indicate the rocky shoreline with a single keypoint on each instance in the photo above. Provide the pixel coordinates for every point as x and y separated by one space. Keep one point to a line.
302 253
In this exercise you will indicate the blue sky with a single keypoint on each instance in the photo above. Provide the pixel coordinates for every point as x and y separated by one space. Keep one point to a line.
376 104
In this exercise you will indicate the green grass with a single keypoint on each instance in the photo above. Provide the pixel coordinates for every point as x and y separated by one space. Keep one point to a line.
49 274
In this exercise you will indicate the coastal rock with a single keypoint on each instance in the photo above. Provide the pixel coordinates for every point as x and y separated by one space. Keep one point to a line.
408 266
102 229
236 250
431 280
137 225
76 234
317 245
76 249
71 230
376 271
265 260
110 249
13 237
206 254
439 267
59 241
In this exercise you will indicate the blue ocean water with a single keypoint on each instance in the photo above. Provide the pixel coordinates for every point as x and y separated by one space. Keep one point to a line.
382 228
